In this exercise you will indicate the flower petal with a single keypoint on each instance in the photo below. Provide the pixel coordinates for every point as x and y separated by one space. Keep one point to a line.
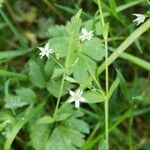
72 93
70 100
77 104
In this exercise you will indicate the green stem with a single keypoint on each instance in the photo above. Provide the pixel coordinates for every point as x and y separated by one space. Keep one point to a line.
91 72
130 130
125 45
63 79
118 52
57 62
106 104
90 143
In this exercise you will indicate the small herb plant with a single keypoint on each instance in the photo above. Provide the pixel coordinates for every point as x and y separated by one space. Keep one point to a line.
69 92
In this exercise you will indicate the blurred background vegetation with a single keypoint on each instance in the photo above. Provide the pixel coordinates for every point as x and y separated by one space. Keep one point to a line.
24 24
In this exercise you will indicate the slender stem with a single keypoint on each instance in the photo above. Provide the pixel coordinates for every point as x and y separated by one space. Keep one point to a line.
60 93
123 46
130 130
92 74
106 105
101 14
57 62
65 72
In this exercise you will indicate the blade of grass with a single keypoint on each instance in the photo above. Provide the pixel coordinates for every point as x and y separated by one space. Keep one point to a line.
140 62
9 74
128 41
132 37
12 54
114 125
91 142
113 87
14 30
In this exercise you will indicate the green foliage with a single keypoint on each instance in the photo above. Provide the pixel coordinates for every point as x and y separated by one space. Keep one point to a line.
37 95
36 75
23 97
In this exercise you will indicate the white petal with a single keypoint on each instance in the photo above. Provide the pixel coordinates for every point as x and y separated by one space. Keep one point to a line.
78 92
46 46
84 31
70 100
77 104
41 49
72 93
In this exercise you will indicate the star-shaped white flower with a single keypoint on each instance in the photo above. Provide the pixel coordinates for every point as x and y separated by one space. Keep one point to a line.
86 35
139 18
76 97
45 51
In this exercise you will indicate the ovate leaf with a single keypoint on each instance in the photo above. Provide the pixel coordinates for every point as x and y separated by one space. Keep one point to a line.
49 68
94 49
53 87
39 134
93 97
36 75
73 27
81 70
63 138
46 120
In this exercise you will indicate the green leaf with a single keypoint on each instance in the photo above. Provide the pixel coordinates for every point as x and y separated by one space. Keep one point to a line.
93 97
26 94
102 145
73 27
36 75
49 68
63 138
123 84
94 49
1 3
71 80
77 124
81 71
60 45
140 91
57 72
46 120
39 134
58 31
54 87
62 117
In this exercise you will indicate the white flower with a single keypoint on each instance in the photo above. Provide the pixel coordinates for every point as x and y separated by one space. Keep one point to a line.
139 18
86 35
45 51
76 97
